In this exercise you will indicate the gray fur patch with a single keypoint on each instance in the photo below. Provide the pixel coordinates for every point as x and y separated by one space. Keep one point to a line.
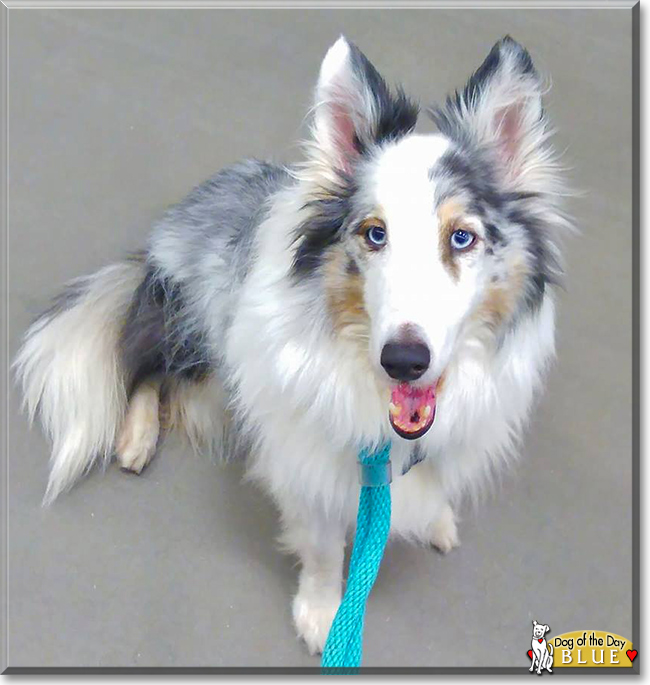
200 253
416 456
221 215
155 338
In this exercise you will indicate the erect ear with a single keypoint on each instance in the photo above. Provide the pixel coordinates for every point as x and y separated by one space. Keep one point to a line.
534 622
501 108
354 107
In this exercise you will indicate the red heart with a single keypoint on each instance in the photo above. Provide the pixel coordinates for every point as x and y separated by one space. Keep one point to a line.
541 639
631 654
530 653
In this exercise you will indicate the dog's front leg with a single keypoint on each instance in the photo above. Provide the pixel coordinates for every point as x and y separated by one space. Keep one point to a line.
421 510
537 658
319 542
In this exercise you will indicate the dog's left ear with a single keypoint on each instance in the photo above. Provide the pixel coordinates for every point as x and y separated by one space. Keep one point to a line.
501 108
547 629
354 107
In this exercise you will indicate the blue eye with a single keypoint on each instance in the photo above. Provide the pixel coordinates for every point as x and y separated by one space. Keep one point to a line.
461 240
375 236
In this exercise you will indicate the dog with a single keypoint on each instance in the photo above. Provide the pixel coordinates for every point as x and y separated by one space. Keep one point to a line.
391 286
541 655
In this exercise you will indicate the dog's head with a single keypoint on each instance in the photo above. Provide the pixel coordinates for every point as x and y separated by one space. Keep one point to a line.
539 630
423 242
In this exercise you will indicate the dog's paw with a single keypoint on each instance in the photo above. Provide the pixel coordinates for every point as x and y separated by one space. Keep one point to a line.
136 446
313 615
444 532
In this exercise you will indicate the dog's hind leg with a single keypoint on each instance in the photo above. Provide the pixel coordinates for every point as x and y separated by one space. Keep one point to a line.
199 409
138 437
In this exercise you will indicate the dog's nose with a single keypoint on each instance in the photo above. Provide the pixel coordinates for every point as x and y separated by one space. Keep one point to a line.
405 361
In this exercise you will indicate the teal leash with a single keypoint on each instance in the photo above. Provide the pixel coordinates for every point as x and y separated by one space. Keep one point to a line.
344 646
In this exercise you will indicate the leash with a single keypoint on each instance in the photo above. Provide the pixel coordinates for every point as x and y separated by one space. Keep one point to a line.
344 645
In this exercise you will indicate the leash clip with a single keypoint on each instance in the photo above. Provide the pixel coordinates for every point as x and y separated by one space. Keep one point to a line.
375 475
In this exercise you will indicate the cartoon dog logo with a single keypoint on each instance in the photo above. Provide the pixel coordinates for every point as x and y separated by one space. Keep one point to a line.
541 657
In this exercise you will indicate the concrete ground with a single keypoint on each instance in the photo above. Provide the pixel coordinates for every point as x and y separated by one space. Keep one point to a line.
114 114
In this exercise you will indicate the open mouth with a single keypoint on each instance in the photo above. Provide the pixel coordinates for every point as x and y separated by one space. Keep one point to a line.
412 410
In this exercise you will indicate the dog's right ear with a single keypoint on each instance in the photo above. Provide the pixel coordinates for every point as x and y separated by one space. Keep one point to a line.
534 622
354 107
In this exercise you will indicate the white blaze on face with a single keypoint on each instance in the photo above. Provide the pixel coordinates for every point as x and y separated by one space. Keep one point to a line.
407 282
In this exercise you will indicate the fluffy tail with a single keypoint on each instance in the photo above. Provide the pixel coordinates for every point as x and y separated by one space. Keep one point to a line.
71 372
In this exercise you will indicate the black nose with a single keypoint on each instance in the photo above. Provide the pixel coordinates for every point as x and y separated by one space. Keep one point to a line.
405 361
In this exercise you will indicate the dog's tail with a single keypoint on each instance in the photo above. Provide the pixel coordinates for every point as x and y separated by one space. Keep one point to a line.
71 371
